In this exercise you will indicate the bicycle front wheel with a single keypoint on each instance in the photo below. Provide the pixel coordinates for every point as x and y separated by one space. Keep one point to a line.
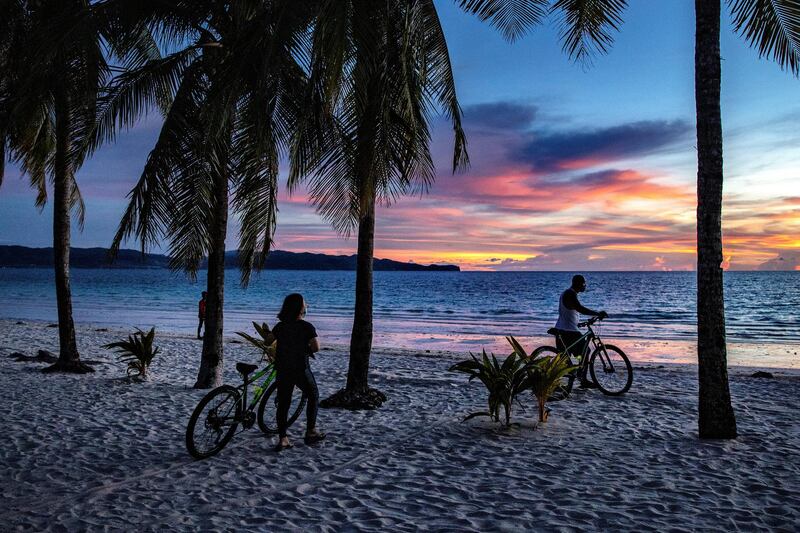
564 387
611 370
213 422
268 409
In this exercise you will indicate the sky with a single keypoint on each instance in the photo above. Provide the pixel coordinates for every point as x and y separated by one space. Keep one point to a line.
573 167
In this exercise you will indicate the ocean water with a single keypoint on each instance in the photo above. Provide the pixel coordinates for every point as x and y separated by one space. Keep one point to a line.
433 310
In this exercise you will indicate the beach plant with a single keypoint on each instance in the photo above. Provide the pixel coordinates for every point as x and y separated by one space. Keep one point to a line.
137 351
544 374
265 342
504 382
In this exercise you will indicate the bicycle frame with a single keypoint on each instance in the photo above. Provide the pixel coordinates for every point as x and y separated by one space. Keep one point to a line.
258 391
592 343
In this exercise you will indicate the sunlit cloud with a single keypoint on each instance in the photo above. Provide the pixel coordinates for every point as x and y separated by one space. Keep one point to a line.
538 196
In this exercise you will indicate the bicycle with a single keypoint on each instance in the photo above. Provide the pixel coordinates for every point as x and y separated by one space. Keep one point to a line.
613 375
228 408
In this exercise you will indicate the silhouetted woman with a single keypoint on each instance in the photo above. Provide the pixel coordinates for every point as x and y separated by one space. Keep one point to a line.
297 340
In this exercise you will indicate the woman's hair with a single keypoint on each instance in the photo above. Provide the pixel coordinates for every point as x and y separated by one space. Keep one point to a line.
292 307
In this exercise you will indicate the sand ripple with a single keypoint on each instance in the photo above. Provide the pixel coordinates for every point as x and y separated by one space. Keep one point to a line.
94 452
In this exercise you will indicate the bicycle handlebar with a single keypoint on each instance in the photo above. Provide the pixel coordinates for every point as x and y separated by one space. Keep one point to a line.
591 321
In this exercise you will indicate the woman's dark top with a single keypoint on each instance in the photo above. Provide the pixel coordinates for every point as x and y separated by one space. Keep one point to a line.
293 351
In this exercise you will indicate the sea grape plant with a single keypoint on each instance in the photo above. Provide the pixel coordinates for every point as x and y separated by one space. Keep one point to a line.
137 351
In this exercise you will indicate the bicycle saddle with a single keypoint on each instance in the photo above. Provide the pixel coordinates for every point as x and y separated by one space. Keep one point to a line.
244 368
552 331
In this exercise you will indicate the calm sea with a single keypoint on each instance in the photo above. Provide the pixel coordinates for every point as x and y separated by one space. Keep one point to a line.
431 310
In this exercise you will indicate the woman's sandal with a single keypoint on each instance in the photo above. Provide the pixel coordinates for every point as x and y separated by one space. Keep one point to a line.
280 447
313 439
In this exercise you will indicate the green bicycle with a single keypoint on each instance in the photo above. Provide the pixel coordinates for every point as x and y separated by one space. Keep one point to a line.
216 418
608 366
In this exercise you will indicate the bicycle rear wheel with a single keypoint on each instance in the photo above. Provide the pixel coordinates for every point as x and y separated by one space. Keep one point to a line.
565 386
611 370
268 407
213 422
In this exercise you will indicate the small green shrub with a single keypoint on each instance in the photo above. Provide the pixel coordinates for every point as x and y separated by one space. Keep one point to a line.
544 374
138 352
517 374
265 342
504 382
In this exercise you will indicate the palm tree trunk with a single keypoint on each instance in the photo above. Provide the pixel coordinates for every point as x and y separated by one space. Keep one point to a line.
357 394
68 356
361 337
210 373
716 419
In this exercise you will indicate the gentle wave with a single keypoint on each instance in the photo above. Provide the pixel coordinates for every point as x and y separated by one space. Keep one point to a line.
458 306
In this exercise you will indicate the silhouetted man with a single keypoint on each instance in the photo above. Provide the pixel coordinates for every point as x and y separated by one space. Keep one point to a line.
569 309
201 313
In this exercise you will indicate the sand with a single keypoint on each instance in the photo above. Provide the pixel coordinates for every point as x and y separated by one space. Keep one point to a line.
97 452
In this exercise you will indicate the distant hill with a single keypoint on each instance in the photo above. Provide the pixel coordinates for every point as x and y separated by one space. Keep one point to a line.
22 256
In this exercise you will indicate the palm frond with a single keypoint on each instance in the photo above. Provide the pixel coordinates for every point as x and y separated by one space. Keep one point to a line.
771 26
134 93
152 201
76 203
587 26
512 17
255 200
367 139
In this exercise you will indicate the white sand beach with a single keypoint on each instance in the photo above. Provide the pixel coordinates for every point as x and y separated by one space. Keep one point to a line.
95 452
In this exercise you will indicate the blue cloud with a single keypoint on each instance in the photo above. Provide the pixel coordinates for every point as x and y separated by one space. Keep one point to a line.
499 116
554 152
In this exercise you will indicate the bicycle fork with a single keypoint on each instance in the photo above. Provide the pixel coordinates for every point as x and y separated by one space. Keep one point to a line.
600 350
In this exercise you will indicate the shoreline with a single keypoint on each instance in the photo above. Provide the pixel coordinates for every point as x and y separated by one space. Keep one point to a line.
745 355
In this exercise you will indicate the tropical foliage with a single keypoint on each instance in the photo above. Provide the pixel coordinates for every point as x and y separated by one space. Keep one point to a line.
265 342
137 351
544 375
506 381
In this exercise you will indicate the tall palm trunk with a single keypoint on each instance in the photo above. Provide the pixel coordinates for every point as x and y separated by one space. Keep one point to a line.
68 356
361 337
716 419
210 373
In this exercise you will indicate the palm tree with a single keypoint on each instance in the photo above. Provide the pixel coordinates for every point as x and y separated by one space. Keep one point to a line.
772 26
230 97
378 68
53 63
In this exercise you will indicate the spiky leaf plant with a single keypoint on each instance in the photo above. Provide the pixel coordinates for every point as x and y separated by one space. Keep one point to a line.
544 374
265 342
137 351
503 381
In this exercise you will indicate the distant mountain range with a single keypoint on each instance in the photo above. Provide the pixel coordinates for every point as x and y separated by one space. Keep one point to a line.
22 256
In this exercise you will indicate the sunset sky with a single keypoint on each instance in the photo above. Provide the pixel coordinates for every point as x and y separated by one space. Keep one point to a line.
573 168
